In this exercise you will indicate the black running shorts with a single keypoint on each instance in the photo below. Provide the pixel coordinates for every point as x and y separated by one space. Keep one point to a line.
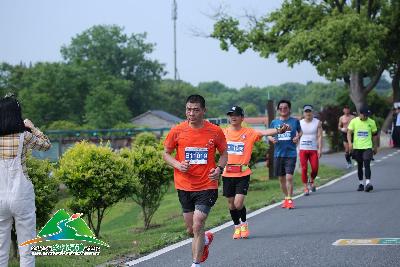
197 200
362 154
284 165
235 185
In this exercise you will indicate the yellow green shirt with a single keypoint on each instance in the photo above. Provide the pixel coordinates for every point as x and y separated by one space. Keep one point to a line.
363 131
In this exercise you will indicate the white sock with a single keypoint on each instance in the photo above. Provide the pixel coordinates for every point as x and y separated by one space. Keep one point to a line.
366 181
196 265
362 182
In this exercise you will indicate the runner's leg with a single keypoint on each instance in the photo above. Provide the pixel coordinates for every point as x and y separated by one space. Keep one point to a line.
199 219
314 162
304 166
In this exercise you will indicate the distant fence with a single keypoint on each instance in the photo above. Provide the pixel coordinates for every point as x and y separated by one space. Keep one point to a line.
61 140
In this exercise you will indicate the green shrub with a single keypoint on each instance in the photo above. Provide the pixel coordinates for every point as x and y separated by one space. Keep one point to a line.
154 177
97 178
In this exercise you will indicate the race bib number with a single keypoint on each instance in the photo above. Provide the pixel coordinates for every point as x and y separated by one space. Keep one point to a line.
196 155
285 136
362 134
235 148
307 143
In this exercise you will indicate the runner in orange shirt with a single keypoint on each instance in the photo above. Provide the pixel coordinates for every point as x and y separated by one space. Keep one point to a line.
195 172
236 175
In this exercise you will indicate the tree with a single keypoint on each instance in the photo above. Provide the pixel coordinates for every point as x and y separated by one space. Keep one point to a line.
104 107
343 40
154 177
97 178
52 91
171 96
329 118
104 51
250 109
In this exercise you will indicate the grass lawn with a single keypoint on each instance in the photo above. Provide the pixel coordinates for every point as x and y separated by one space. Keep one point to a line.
122 225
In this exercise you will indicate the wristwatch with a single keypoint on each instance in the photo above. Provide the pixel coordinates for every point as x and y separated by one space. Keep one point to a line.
221 169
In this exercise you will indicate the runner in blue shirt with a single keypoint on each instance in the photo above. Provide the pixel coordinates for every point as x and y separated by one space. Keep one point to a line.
285 154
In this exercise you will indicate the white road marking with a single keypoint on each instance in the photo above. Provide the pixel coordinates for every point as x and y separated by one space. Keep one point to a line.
230 223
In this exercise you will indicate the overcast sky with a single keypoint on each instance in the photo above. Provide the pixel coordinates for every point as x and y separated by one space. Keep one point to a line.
35 30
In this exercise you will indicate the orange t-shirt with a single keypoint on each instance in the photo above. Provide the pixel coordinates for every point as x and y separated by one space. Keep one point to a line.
198 146
240 146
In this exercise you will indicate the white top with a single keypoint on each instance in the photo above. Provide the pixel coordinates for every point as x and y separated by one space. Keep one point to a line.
308 140
398 119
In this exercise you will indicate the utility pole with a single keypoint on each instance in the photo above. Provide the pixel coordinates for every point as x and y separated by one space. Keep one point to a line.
174 18
270 155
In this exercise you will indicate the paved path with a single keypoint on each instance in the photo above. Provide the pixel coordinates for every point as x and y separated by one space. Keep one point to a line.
305 236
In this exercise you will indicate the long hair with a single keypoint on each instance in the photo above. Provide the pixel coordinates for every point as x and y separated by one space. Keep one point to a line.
10 116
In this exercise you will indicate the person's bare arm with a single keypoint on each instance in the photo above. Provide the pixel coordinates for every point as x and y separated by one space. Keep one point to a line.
182 166
216 172
375 142
297 137
349 134
340 125
319 137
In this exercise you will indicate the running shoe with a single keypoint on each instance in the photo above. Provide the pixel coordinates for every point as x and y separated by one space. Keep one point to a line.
236 233
284 204
360 187
349 166
306 190
313 187
368 187
290 204
205 250
244 230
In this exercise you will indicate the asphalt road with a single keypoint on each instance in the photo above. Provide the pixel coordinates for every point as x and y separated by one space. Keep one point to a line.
305 236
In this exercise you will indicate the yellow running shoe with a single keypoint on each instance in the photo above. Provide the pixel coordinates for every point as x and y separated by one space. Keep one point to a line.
244 230
236 234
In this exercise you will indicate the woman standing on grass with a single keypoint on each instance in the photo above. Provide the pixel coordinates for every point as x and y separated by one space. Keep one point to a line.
17 197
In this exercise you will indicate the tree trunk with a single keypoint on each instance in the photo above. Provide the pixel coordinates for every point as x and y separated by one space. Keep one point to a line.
396 84
357 93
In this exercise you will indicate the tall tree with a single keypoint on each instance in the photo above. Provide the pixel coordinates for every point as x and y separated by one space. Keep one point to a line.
104 50
51 91
342 39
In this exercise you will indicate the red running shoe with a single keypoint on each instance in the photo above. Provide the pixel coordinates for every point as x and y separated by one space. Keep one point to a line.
205 251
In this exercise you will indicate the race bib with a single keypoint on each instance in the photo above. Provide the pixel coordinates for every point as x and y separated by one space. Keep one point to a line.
196 155
235 148
285 136
307 143
362 134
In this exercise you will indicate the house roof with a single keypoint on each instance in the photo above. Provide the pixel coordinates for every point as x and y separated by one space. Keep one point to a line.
161 114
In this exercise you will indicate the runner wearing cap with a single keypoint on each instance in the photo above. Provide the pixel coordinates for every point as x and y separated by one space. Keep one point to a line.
236 174
344 121
285 154
310 147
195 172
364 145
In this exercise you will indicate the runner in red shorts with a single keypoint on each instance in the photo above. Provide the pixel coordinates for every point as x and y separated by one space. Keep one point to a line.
310 148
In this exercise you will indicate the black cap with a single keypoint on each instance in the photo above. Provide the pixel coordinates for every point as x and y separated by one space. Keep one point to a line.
235 110
365 110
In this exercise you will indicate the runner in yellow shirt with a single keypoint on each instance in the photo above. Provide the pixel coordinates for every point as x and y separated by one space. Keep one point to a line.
236 174
364 145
